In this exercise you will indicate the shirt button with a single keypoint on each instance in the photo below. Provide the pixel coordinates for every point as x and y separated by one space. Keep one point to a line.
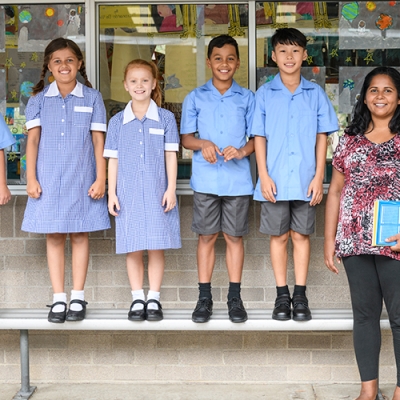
140 130
62 120
292 152
63 106
141 156
291 116
141 143
220 131
222 101
221 116
62 133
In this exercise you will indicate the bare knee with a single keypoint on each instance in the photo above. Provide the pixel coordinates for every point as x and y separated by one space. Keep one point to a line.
280 240
208 239
56 239
78 238
299 237
233 239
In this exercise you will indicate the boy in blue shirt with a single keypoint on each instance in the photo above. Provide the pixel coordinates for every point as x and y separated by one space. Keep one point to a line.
291 121
220 112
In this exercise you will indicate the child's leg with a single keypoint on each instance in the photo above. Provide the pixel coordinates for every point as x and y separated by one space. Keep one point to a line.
80 259
56 261
234 257
80 262
135 269
301 256
279 256
156 273
206 257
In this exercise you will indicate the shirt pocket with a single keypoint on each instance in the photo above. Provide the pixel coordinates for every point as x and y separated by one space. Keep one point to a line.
157 140
82 116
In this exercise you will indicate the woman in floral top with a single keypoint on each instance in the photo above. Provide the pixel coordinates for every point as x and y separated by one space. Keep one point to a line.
367 167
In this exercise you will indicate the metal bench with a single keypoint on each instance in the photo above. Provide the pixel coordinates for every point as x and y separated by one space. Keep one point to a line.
174 320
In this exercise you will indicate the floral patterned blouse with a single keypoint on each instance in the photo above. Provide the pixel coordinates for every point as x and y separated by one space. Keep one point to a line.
371 171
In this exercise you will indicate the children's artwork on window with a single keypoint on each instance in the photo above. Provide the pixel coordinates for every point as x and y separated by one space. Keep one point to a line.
263 13
313 74
350 84
167 17
369 25
28 78
39 24
213 19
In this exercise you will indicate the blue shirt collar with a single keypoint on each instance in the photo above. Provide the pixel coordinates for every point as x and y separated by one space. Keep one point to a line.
53 90
151 113
235 88
277 84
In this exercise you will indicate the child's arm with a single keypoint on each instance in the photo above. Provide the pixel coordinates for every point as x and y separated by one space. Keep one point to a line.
207 148
96 191
268 187
231 152
113 203
5 194
33 187
332 217
316 188
171 164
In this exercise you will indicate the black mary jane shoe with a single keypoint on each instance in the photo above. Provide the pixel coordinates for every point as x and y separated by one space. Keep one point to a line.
154 315
57 317
73 315
137 315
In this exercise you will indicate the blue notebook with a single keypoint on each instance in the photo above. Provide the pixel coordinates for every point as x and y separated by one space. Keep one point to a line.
386 221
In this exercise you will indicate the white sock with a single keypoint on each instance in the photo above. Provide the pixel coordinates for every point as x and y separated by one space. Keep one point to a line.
59 297
77 295
137 295
153 295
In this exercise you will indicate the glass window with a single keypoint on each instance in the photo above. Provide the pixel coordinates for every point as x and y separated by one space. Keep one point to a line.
25 31
173 36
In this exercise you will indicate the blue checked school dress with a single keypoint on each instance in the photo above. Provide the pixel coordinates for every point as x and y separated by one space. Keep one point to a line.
66 166
139 145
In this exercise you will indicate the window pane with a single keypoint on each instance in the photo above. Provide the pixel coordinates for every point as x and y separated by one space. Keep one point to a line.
175 38
25 31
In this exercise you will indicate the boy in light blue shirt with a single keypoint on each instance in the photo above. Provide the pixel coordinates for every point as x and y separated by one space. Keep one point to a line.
220 112
291 121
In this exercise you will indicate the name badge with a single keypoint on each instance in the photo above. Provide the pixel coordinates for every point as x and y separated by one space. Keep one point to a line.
83 109
155 131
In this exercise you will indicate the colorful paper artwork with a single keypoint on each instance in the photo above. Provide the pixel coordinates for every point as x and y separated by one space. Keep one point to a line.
39 24
368 25
2 91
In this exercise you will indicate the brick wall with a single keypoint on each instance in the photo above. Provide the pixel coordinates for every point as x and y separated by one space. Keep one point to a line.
176 356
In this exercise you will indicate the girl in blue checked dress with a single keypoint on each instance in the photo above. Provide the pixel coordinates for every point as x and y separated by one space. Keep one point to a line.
66 171
141 145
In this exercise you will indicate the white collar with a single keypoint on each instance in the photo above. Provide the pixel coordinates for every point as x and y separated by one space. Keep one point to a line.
151 113
53 90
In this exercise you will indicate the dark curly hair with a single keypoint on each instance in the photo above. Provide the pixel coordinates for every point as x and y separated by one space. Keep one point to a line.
361 118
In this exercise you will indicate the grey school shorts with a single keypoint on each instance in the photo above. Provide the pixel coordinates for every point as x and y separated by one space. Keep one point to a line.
213 214
280 217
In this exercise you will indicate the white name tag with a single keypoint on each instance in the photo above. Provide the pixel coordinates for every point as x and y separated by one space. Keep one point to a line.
155 131
83 109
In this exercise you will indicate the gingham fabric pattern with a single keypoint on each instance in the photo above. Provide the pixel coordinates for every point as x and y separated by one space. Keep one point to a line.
139 146
66 165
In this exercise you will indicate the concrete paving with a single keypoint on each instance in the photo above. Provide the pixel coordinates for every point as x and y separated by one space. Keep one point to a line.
195 391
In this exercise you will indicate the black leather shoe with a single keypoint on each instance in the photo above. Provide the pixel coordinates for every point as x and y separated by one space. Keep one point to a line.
236 310
57 317
76 315
137 315
301 312
203 310
282 310
154 315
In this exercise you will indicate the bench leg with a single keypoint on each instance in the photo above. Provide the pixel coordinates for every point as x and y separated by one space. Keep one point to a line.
26 390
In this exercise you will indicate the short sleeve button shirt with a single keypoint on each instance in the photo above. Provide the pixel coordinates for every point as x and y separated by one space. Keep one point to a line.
224 120
290 122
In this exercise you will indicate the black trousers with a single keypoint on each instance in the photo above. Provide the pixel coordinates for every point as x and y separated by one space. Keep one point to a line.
371 280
